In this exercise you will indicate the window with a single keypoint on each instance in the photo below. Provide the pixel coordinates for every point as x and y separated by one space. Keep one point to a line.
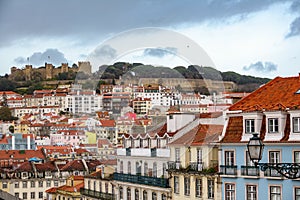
187 186
24 195
177 154
248 160
24 184
145 195
154 196
121 193
128 193
106 187
210 189
229 158
163 197
274 156
32 195
136 194
296 124
297 156
129 167
40 195
229 191
154 169
32 184
48 184
17 185
249 126
199 155
41 184
4 185
138 168
251 192
176 184
17 194
198 188
121 167
275 193
55 183
273 125
297 193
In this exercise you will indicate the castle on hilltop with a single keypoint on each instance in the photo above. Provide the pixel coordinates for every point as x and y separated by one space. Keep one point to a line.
48 71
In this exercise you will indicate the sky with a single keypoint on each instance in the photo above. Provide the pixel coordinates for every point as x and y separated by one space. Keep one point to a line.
251 37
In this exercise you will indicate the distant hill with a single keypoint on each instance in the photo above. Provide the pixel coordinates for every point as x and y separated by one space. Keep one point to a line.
126 70
138 70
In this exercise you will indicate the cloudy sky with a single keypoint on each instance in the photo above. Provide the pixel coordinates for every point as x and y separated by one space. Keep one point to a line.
255 37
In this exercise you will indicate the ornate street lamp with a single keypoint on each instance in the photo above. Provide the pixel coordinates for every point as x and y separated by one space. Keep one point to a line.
255 149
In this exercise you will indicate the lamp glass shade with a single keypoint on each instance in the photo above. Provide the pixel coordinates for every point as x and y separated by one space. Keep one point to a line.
255 148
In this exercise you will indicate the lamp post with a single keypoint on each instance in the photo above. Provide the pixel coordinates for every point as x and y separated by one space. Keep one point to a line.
255 148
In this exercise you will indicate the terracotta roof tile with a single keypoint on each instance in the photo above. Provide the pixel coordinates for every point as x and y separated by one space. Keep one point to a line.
278 94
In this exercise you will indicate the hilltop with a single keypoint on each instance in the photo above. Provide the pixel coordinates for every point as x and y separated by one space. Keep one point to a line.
120 71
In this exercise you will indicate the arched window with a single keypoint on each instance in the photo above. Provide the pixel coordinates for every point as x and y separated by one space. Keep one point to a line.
163 197
154 169
154 196
145 169
136 194
121 193
129 167
128 194
145 195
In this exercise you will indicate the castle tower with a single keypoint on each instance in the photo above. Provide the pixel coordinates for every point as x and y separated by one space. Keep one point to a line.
85 67
28 72
49 71
13 70
64 67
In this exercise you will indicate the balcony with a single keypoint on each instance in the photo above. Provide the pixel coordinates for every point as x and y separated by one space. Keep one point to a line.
97 195
250 171
138 179
195 166
228 170
174 165
272 173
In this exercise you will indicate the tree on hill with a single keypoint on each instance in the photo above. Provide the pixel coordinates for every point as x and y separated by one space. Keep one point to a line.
6 84
5 114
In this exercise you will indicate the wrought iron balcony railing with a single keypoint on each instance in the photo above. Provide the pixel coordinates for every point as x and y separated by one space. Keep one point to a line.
250 171
145 180
97 195
228 169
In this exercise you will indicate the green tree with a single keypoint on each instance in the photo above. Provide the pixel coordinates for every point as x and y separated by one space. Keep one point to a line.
5 114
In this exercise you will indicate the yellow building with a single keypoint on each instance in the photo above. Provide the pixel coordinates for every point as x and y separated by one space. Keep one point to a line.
91 137
69 191
194 161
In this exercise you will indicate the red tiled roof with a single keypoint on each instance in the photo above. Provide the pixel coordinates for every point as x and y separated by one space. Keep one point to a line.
51 190
73 165
108 123
48 166
21 154
102 142
278 94
234 130
199 135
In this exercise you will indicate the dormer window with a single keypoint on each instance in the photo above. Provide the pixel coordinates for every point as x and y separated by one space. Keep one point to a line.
273 125
296 124
249 126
